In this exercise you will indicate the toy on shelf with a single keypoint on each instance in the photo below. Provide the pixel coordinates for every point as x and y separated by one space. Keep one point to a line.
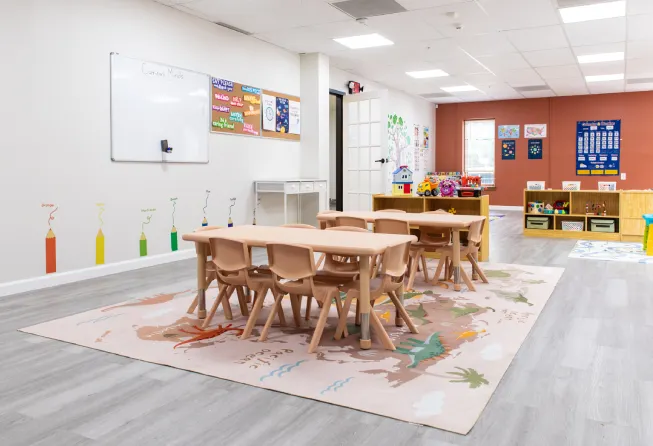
535 207
428 187
561 207
595 208
452 211
548 209
470 181
402 181
447 188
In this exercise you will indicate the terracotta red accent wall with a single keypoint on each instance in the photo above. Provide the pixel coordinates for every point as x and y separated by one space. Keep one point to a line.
558 159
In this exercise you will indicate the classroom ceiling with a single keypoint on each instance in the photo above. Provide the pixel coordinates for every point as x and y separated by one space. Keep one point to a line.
508 49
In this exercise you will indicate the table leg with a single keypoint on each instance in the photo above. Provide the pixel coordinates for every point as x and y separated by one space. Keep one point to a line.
201 279
474 273
456 260
364 271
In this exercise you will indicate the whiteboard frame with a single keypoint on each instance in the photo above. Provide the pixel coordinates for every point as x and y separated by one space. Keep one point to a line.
163 160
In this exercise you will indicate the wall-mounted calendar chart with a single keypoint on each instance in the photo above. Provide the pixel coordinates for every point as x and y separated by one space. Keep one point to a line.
598 147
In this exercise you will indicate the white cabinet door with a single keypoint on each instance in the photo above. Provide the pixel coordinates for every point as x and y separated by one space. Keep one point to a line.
364 144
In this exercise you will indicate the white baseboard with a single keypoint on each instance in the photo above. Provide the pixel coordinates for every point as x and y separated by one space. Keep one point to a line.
50 280
494 207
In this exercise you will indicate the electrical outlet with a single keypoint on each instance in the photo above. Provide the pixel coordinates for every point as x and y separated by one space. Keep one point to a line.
623 176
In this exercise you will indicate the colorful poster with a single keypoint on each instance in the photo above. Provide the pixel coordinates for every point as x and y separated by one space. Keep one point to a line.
294 112
508 131
282 115
269 112
235 108
416 136
535 131
427 137
598 147
535 149
508 149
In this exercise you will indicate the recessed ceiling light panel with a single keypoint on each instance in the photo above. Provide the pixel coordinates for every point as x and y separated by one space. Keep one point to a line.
364 41
459 88
603 57
596 11
605 77
426 74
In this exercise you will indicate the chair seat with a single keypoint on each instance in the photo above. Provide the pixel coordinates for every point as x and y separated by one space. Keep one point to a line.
342 268
425 245
375 284
333 279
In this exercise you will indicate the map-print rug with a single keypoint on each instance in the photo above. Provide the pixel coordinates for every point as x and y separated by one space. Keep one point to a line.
615 251
442 377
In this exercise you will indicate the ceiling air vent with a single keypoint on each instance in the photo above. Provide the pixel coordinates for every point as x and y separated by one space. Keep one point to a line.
233 28
368 8
532 88
644 80
436 95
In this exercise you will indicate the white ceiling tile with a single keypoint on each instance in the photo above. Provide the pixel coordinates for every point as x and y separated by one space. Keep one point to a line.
562 71
640 27
615 47
639 50
639 68
469 14
511 14
606 87
550 58
506 97
639 6
423 4
403 27
538 94
300 40
461 64
496 89
639 87
504 62
486 45
345 28
520 78
442 49
595 69
596 31
567 84
534 39
483 78
571 91
447 100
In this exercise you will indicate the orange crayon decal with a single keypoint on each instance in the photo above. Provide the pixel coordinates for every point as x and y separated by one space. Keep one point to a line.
50 253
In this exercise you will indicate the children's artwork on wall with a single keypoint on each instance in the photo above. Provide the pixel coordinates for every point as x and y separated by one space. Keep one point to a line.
99 238
508 149
205 222
535 149
283 125
416 136
427 137
142 244
230 223
508 131
535 131
174 242
50 242
398 144
294 112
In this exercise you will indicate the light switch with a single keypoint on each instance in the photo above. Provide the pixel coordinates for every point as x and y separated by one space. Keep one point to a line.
623 176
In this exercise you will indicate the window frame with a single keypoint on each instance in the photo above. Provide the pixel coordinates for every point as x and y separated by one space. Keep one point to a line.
494 163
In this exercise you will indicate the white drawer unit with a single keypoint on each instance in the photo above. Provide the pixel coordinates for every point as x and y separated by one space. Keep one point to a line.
294 187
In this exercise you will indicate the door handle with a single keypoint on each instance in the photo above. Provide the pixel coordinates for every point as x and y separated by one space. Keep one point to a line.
382 160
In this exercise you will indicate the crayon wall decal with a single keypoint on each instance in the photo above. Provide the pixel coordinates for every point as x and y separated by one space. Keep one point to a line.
230 223
174 243
205 222
99 238
142 246
50 243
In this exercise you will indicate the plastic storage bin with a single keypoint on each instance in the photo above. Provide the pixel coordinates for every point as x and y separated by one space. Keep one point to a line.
576 226
602 225
648 235
537 223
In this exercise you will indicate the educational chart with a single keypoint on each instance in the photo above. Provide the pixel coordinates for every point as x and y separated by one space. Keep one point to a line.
535 131
508 149
535 149
281 116
235 108
508 131
598 147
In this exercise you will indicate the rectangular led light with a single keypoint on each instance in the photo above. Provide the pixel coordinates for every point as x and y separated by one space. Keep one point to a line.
605 77
365 41
459 88
603 57
426 74
593 12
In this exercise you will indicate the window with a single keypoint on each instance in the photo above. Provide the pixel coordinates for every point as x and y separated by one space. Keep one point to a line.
479 150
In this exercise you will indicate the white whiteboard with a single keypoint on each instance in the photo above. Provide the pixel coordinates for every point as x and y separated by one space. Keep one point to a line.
151 102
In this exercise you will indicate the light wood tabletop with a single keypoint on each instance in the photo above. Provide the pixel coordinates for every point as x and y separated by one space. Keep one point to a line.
413 218
353 244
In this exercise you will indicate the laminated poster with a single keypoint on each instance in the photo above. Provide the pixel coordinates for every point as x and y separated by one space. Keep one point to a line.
535 149
282 115
294 110
508 149
269 113
535 131
598 147
508 131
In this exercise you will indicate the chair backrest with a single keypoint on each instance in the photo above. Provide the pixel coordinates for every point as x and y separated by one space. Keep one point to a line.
435 235
205 228
351 221
231 259
346 228
292 262
327 223
439 211
399 211
395 259
391 226
298 226
475 235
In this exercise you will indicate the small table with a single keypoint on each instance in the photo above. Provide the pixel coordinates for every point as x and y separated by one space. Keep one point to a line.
351 244
454 222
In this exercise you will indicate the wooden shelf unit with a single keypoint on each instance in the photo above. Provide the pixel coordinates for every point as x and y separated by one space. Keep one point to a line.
463 206
624 207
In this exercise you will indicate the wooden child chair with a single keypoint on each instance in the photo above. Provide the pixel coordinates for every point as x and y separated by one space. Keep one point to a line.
430 240
210 269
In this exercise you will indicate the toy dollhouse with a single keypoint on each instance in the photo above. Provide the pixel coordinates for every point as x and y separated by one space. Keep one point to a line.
402 181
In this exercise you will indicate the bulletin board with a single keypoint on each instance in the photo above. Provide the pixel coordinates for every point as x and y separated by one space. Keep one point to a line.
598 147
235 108
281 116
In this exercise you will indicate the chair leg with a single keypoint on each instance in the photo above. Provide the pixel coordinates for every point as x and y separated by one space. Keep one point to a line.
438 271
259 298
193 305
281 313
214 308
380 331
268 323
242 301
404 314
477 268
309 301
319 328
340 312
295 303
226 306
424 269
342 321
413 270
467 280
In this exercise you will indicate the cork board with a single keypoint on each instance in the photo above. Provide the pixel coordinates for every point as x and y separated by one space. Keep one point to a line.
235 108
280 115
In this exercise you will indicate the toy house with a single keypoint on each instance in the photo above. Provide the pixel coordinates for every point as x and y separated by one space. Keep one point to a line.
402 181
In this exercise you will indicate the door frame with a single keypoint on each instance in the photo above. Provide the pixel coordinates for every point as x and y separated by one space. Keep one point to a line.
339 95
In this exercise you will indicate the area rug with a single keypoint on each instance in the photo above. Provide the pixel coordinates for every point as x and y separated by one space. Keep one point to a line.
613 251
494 217
442 377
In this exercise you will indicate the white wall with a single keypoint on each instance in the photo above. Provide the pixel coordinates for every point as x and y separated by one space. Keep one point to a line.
55 129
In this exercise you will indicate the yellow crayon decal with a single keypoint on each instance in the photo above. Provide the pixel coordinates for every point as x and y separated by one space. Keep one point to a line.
99 247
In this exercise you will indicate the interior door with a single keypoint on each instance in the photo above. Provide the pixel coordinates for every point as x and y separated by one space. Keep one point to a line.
364 149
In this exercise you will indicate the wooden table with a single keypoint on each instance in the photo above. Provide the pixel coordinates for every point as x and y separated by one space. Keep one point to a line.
454 222
351 244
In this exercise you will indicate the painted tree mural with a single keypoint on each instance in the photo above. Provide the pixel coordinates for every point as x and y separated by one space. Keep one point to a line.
398 142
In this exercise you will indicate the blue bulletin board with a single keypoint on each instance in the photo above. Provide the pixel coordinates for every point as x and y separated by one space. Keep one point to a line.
598 147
